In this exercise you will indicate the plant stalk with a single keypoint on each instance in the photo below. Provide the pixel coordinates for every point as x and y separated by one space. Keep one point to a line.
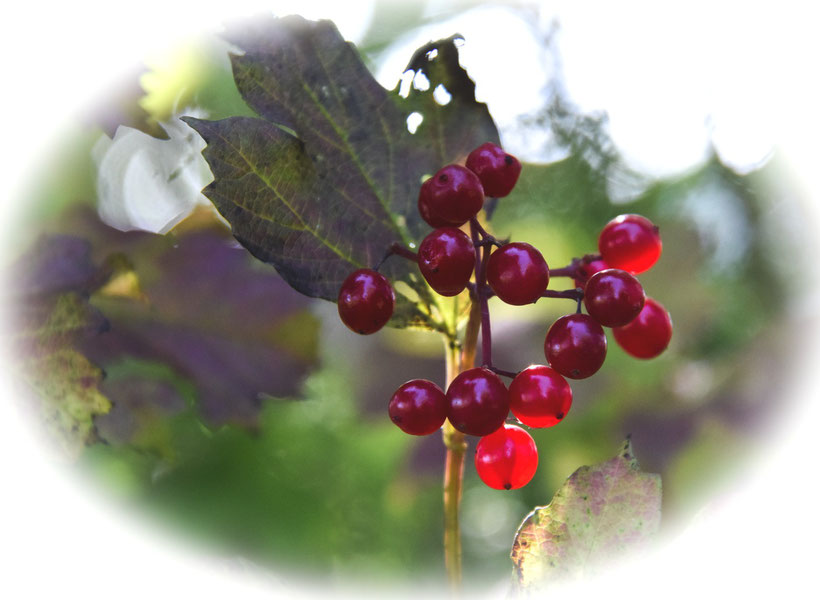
456 446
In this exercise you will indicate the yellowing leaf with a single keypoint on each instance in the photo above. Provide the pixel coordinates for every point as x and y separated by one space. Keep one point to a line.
600 513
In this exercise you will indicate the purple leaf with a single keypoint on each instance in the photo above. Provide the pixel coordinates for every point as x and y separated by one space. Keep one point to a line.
328 177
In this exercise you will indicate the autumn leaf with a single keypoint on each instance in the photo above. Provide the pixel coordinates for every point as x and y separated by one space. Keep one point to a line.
601 512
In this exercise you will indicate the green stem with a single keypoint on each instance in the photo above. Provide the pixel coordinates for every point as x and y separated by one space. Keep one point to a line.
456 446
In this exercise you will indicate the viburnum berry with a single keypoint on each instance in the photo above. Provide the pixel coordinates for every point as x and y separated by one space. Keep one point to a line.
454 195
517 273
648 334
586 269
425 211
507 458
575 346
540 396
446 259
418 407
366 301
613 297
477 402
497 170
630 242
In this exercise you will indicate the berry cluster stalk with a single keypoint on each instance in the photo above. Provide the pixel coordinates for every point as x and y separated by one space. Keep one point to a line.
458 362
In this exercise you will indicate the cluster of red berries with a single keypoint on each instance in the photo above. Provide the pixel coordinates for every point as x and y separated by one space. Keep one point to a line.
477 401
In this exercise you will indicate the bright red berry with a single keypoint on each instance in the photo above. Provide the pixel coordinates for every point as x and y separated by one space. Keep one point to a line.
426 213
507 458
648 334
446 259
497 170
455 195
631 243
587 269
540 396
518 273
575 346
613 297
477 402
366 301
418 407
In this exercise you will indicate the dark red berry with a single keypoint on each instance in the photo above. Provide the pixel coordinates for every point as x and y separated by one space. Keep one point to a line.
648 334
455 195
587 269
540 396
497 170
418 407
575 346
446 260
507 458
477 402
613 297
424 206
631 243
517 273
366 301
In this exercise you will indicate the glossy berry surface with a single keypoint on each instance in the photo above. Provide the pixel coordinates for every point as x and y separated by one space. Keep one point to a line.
587 269
425 211
506 459
366 301
540 396
455 195
497 170
446 259
648 334
631 243
477 402
575 346
613 297
418 407
517 273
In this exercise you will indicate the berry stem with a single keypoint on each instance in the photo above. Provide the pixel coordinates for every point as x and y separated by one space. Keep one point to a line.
481 256
575 294
571 270
497 371
568 271
398 250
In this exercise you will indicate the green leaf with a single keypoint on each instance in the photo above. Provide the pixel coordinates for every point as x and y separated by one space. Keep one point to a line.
600 513
327 178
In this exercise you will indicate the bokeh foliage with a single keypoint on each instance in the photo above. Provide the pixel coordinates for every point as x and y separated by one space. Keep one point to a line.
295 463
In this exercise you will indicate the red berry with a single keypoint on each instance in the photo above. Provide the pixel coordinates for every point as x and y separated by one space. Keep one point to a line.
540 396
418 407
613 297
426 213
455 195
446 260
497 170
587 269
477 402
631 243
575 346
648 334
517 273
507 458
366 301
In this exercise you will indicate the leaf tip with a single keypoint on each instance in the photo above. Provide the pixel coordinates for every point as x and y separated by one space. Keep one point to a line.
626 451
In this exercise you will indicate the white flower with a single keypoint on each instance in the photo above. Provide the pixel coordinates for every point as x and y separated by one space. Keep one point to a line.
147 183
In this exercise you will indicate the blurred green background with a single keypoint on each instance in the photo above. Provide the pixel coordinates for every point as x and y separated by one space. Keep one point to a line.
311 474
